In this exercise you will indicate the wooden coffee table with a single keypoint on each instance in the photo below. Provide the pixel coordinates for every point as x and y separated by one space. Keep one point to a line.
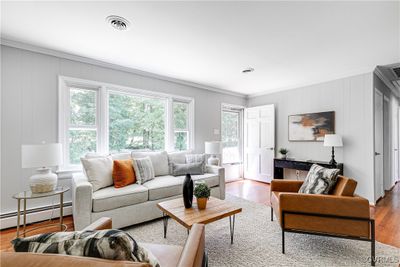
216 210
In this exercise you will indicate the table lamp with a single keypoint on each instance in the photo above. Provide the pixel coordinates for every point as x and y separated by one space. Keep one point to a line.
333 140
42 157
213 148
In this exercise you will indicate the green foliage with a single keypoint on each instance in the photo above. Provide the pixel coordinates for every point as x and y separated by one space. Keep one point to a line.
230 127
201 190
283 151
135 123
83 107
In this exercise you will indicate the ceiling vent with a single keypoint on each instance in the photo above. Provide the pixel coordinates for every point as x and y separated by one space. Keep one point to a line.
118 22
396 72
248 70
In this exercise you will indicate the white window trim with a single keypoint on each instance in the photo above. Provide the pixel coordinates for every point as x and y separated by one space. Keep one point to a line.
240 109
103 91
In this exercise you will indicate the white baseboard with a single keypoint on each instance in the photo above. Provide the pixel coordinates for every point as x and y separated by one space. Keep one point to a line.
34 217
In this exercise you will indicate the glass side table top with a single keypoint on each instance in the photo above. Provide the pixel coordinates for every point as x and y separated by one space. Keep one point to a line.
28 194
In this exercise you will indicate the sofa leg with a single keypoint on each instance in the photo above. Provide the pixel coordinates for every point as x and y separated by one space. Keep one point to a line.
283 241
372 243
272 214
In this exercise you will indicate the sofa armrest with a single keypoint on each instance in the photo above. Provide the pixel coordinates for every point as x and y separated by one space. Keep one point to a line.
103 223
356 207
221 173
193 252
285 185
82 193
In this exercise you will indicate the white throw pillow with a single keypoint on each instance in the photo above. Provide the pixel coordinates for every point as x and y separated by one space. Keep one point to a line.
144 170
158 159
98 171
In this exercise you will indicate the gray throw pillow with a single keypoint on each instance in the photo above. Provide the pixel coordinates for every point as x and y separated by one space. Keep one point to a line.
196 158
188 168
319 180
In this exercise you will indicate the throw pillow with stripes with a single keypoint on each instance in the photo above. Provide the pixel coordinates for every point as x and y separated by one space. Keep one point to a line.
144 170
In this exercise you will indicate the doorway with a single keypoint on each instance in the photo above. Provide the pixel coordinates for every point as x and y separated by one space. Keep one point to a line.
379 145
259 143
232 141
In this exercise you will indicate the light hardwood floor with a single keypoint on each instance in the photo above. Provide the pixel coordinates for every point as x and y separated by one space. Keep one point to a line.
387 213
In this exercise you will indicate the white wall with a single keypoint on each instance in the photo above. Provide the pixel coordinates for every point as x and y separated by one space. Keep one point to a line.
29 109
351 99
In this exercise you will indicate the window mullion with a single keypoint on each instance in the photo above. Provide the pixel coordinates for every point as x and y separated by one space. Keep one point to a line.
170 131
102 123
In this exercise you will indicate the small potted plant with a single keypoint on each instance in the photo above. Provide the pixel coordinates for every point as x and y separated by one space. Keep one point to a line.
283 152
202 193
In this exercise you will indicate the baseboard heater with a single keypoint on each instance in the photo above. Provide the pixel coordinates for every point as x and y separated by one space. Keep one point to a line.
38 214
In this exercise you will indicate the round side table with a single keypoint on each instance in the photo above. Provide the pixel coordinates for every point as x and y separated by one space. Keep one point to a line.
29 195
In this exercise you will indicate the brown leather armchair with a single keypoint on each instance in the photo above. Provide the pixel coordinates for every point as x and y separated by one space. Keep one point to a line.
339 214
192 254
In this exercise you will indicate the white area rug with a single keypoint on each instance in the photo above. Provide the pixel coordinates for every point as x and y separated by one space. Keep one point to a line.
257 242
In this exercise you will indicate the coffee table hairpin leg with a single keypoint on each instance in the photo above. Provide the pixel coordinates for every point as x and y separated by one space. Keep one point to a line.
165 221
232 226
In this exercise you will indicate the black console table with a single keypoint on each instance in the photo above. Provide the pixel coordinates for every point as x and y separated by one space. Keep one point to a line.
280 164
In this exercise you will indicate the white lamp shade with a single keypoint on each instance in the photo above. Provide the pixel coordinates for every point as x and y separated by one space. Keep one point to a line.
213 147
333 140
45 155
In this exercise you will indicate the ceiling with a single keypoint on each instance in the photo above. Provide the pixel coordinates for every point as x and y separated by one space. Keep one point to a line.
289 44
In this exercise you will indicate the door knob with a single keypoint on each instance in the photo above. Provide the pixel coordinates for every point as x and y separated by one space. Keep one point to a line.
377 154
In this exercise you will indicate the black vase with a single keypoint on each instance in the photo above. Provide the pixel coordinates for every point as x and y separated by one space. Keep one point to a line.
188 191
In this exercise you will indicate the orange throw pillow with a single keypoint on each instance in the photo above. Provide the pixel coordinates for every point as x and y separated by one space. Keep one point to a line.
123 173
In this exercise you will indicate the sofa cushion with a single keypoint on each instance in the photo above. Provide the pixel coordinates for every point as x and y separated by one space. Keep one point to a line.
158 159
211 179
111 198
118 156
98 171
177 157
167 255
164 186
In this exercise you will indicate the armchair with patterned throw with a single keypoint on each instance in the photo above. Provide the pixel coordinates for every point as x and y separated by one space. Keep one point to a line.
338 214
192 254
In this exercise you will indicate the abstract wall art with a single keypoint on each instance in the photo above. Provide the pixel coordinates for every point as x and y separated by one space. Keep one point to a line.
311 126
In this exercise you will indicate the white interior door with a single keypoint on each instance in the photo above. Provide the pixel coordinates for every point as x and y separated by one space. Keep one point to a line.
387 162
259 143
378 144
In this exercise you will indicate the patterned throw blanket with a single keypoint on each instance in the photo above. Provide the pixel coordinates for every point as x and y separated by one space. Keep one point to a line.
105 244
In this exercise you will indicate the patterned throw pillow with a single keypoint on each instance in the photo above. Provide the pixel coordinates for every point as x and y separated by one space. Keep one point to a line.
105 244
144 170
319 180
197 158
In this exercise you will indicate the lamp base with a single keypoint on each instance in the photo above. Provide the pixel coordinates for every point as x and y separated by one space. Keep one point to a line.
213 160
44 181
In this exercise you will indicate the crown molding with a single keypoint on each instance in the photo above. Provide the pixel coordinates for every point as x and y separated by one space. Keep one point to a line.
64 55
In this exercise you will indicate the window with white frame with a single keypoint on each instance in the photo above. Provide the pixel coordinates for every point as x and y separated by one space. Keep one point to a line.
135 122
104 118
82 123
181 125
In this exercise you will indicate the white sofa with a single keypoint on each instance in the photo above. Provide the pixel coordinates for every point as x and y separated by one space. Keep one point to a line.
137 203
